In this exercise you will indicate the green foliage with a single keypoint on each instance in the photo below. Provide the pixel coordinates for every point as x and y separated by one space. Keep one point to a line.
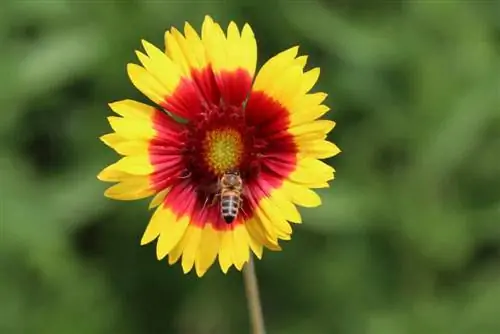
408 238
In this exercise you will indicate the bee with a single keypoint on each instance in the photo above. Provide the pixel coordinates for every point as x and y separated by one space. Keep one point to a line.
231 187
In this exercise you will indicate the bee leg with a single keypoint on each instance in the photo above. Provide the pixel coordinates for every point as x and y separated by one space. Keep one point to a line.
204 204
241 208
212 202
214 199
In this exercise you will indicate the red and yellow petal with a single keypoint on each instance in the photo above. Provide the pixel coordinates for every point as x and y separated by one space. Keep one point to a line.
224 52
139 134
196 239
163 82
183 237
195 73
129 187
291 164
232 57
171 228
195 70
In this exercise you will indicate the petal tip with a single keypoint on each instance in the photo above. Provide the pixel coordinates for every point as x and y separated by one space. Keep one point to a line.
144 241
160 254
200 271
186 268
145 44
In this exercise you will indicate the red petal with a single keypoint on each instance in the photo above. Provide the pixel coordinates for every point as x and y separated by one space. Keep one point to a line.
234 86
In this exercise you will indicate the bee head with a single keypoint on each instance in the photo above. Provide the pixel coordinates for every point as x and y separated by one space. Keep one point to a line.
231 179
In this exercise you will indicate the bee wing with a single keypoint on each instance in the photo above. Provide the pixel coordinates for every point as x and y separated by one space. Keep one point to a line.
211 188
244 192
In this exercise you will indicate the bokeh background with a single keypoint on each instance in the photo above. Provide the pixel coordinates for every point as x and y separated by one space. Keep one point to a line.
408 238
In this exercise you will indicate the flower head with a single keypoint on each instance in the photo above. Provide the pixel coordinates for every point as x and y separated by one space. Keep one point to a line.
214 120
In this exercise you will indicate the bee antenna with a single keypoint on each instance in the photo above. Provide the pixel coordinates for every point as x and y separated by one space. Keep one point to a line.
185 174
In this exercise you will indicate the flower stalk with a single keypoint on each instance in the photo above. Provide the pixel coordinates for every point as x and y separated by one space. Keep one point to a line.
253 298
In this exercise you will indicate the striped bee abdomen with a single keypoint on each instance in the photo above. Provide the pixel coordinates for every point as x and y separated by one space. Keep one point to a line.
230 204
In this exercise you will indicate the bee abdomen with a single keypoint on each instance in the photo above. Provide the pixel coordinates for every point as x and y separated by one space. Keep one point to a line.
229 207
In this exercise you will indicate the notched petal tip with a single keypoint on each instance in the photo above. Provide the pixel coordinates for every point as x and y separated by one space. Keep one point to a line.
114 104
143 58
276 248
241 265
148 47
225 269
301 61
294 49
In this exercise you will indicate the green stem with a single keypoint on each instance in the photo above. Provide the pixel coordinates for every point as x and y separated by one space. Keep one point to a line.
253 298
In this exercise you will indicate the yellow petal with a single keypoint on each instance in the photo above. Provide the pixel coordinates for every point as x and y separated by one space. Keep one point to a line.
301 195
129 128
308 101
194 48
166 72
176 49
318 149
236 51
112 139
192 242
285 87
175 254
172 230
257 233
282 78
111 174
309 79
301 61
132 109
256 247
146 83
226 251
232 43
276 218
248 49
159 198
215 43
241 246
287 208
207 252
303 115
135 165
273 68
311 171
154 228
318 185
132 147
130 189
322 127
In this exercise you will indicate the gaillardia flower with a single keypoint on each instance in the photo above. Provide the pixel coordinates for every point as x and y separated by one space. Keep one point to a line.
214 116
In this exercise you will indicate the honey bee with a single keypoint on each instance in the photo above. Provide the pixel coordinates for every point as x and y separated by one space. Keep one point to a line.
231 187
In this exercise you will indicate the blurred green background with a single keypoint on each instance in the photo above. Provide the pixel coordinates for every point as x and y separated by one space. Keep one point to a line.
408 238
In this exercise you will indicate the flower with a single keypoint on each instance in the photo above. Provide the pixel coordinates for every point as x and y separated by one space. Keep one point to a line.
213 116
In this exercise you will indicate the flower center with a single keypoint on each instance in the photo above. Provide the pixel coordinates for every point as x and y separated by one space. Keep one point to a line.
223 150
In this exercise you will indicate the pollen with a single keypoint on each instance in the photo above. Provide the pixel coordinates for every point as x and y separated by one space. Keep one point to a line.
223 150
